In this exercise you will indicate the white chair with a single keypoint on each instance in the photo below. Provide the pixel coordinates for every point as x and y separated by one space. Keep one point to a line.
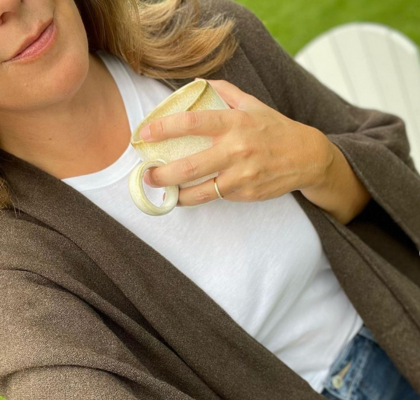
372 66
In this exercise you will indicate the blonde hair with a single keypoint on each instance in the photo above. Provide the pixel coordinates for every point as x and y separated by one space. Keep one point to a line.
163 40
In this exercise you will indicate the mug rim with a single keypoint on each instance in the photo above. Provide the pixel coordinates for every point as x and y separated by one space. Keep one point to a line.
199 81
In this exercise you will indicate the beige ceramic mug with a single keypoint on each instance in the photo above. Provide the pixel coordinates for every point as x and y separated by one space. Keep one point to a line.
196 95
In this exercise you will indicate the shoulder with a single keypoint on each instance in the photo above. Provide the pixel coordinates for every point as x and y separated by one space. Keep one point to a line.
247 23
261 50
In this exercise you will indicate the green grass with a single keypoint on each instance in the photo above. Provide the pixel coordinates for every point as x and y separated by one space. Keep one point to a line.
293 23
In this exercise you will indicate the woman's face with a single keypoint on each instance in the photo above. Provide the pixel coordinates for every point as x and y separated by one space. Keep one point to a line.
30 85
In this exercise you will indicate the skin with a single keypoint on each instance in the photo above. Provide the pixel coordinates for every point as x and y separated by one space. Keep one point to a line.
64 114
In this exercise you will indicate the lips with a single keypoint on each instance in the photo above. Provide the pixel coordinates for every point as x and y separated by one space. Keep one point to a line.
31 39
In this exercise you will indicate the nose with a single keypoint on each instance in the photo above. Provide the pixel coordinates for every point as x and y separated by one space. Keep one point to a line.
7 7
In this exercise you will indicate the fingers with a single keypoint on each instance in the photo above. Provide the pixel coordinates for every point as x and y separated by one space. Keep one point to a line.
203 122
200 123
189 168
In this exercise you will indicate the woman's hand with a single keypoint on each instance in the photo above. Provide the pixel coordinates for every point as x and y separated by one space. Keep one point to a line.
260 154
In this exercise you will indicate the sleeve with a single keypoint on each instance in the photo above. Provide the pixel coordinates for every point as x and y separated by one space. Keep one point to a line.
54 346
374 143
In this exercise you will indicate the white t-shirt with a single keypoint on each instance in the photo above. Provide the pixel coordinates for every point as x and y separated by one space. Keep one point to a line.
262 262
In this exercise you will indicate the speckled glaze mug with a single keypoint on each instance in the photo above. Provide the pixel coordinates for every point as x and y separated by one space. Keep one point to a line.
196 95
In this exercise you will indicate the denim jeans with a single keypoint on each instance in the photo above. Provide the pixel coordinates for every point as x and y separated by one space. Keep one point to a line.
363 371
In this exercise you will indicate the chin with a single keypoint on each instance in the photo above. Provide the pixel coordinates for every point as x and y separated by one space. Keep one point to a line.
67 74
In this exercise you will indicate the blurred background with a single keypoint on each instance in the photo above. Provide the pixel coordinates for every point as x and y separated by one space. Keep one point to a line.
295 22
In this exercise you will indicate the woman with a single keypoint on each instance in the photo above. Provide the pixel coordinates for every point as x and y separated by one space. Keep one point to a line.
253 308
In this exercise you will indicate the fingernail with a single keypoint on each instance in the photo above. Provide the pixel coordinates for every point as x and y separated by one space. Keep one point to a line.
145 133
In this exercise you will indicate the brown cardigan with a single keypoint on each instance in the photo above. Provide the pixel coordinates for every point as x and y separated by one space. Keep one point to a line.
90 311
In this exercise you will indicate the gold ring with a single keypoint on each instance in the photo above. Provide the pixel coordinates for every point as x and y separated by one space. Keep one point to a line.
217 189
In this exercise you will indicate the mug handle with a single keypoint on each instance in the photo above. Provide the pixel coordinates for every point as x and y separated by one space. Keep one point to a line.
135 186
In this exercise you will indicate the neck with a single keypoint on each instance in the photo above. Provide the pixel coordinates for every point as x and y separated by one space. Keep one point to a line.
83 135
